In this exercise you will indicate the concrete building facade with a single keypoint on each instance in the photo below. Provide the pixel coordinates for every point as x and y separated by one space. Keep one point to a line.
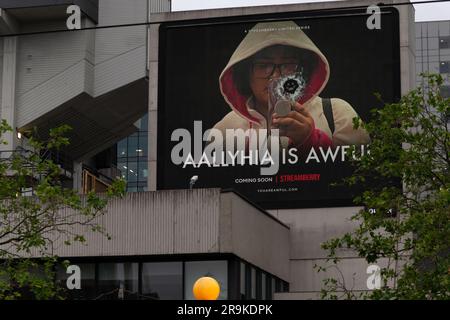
433 51
100 82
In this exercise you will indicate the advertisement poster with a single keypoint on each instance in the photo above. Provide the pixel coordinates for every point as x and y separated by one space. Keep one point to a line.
266 105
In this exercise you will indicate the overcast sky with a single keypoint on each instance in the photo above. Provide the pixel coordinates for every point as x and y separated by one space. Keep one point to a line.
424 12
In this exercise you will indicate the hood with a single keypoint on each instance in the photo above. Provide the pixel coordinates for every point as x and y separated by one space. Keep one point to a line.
264 35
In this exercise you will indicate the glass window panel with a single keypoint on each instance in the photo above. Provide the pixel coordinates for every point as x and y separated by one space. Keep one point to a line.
434 59
143 172
418 45
418 68
444 28
197 269
273 286
433 43
278 285
418 30
253 292
144 123
162 280
88 286
445 91
263 286
122 149
143 147
132 146
424 29
433 67
433 53
444 67
242 275
424 45
122 166
118 281
258 285
132 171
444 42
433 28
269 289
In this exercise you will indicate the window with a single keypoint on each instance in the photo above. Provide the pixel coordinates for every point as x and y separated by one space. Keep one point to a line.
253 285
278 286
269 290
444 67
132 171
197 269
273 287
445 91
162 280
132 155
242 278
444 42
122 148
88 288
258 285
263 286
118 281
433 43
285 287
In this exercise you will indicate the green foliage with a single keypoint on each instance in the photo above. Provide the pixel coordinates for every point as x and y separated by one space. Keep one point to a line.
406 215
31 226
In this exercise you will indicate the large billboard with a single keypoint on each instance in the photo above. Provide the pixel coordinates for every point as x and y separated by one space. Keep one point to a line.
265 105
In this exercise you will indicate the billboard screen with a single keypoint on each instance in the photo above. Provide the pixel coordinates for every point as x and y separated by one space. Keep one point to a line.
265 105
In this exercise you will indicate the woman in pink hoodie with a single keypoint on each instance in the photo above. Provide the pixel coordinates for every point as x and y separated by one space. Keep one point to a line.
276 60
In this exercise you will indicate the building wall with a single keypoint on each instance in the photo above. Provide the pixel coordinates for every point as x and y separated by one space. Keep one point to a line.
52 69
120 52
432 54
182 222
56 67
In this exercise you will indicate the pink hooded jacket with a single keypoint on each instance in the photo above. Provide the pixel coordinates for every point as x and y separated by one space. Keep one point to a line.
243 116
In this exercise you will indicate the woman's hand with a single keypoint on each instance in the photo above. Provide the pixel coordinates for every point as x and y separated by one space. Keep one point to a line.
298 125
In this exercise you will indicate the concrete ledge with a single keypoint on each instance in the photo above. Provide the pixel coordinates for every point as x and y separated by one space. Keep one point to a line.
199 221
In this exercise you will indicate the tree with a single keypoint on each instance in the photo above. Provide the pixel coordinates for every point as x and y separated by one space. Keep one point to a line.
37 211
406 221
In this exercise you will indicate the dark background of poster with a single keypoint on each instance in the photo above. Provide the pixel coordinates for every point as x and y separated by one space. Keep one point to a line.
193 54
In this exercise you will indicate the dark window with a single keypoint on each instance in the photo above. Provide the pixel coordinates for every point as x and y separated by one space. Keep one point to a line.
243 279
122 148
162 280
248 282
269 290
132 155
444 67
118 281
263 286
273 287
253 284
258 285
278 286
88 286
194 270
444 42
445 91
285 287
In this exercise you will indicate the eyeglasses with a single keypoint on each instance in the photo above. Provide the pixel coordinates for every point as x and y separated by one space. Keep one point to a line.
266 70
